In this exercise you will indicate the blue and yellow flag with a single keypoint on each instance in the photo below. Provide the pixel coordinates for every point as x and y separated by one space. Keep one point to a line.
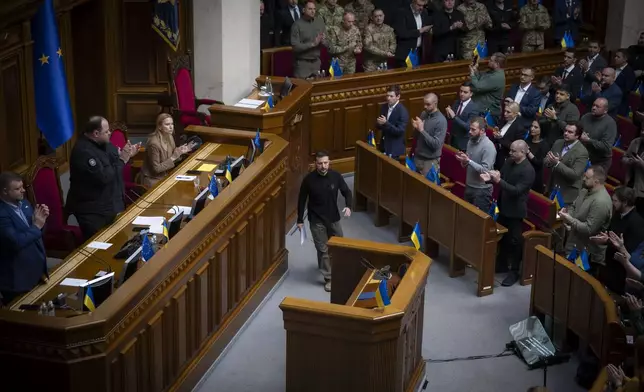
588 165
556 196
147 251
382 296
581 260
540 109
257 141
618 141
371 138
412 59
53 108
527 135
166 232
88 301
228 174
564 42
638 88
573 255
213 187
409 164
269 103
334 68
433 175
165 21
489 119
494 210
374 295
417 237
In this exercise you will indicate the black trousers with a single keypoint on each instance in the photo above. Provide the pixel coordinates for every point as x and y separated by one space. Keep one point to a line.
91 224
511 245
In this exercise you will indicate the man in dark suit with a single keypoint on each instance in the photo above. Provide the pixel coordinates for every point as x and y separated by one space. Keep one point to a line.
515 180
512 130
446 34
605 89
567 159
547 97
566 18
22 254
460 113
636 56
412 26
568 74
526 95
390 8
625 79
266 30
504 19
592 65
285 19
392 122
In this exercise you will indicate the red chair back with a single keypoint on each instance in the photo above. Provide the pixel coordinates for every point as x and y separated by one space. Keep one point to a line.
617 169
118 138
542 212
46 190
627 130
283 63
581 107
634 101
458 189
185 91
490 133
450 166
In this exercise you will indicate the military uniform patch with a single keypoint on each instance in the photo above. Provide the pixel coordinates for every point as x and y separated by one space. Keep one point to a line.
92 162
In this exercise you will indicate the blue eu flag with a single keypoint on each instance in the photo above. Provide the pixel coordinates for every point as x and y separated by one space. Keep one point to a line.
53 110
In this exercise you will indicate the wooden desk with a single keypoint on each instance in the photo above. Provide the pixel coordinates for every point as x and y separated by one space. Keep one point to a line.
165 326
288 119
334 347
579 304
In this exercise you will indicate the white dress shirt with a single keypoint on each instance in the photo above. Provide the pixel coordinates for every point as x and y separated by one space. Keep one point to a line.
507 126
390 109
591 60
462 106
619 70
566 72
419 24
521 92
295 13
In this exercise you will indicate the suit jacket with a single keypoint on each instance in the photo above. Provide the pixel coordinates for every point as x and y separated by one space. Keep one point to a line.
515 132
461 124
567 174
516 182
626 82
267 36
158 160
407 32
589 77
613 95
392 140
444 40
284 23
564 20
574 80
567 114
499 38
529 105
22 253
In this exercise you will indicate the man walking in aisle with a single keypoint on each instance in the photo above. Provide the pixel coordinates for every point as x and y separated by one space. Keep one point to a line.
321 188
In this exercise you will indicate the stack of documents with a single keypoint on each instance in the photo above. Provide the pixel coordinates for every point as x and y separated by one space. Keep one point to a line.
249 103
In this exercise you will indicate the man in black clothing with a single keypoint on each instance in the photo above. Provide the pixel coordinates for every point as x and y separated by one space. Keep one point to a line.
504 19
412 25
515 179
321 189
266 28
627 228
96 177
448 27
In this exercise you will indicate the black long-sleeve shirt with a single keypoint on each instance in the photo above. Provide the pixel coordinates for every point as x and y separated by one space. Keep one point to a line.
516 181
322 194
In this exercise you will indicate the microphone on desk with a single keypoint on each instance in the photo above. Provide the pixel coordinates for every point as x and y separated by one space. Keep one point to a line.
382 273
95 258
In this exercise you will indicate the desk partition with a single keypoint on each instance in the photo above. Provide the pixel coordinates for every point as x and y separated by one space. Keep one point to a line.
162 329
335 347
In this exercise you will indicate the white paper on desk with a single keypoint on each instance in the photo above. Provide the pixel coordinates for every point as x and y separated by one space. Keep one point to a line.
245 106
73 282
185 178
157 229
148 221
254 102
99 245
303 236
177 209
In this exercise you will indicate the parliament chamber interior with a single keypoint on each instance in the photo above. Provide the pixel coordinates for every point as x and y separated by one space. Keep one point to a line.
171 170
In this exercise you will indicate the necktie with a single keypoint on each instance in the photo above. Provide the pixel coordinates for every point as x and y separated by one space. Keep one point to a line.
564 74
296 15
460 109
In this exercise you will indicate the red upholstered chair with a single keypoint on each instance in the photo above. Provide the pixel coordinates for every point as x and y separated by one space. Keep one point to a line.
542 212
450 166
119 139
582 107
458 189
43 187
496 188
282 63
627 130
634 101
186 103
617 171
489 132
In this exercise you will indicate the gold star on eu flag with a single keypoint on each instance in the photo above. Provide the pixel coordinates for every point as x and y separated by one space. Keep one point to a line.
44 59
59 52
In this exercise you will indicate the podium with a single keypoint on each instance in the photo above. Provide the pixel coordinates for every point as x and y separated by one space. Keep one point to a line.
289 118
334 346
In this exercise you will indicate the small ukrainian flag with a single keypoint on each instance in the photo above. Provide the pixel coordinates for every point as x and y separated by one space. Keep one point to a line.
382 296
412 59
581 260
556 196
88 301
269 103
409 164
489 119
433 175
371 138
166 232
416 236
494 210
229 174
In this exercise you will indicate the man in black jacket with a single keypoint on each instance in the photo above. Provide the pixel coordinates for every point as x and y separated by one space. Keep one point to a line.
504 19
286 16
568 74
446 34
515 179
320 188
412 26
96 177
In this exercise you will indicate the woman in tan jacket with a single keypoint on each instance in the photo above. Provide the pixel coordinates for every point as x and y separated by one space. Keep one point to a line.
161 151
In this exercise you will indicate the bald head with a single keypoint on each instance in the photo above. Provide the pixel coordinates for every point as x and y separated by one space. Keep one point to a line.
608 76
518 150
431 102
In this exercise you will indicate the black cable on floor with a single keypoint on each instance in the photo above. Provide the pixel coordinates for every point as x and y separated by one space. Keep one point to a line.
505 353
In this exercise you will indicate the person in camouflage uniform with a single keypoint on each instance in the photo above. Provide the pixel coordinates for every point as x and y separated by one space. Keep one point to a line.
477 19
363 10
533 20
379 42
331 14
345 42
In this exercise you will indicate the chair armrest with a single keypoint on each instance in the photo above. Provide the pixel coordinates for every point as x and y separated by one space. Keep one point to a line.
206 101
614 181
193 113
530 225
443 178
447 185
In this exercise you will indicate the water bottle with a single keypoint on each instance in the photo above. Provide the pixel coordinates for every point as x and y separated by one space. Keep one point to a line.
266 82
270 87
51 310
511 49
43 310
385 65
323 73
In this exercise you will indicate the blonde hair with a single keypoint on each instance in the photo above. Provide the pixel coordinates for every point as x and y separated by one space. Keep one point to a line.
161 118
167 140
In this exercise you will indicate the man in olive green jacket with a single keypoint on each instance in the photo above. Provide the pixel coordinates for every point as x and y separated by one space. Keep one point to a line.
489 87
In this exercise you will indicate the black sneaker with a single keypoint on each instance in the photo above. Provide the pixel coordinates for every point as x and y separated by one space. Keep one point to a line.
510 279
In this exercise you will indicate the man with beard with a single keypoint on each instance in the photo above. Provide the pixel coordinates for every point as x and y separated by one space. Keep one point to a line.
557 117
307 36
379 42
430 130
592 65
600 132
588 216
345 43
